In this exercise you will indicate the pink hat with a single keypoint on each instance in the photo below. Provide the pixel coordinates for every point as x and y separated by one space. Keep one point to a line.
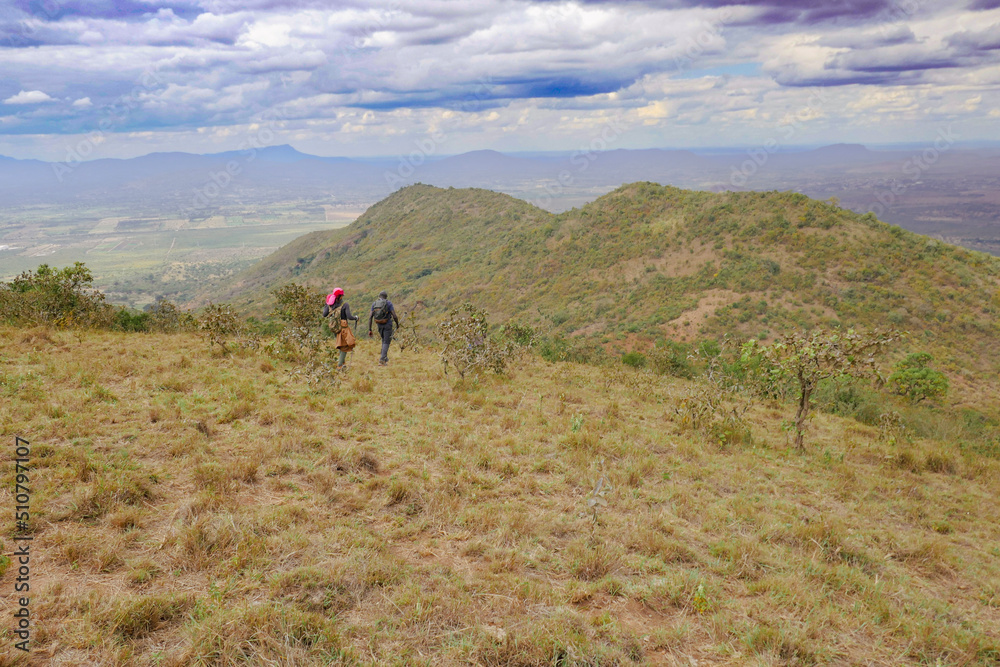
332 297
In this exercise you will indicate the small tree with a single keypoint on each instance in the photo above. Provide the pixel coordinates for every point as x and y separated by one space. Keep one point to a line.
219 323
297 306
469 347
810 358
166 317
913 379
407 334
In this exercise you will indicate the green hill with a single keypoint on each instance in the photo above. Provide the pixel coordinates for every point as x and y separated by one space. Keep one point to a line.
648 262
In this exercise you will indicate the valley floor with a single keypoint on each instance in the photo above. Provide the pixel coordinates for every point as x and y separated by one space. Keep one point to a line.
190 508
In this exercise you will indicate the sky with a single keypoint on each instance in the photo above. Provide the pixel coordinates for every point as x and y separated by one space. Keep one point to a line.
87 79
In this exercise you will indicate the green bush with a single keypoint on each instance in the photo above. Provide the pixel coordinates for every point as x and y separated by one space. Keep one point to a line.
849 398
913 379
297 306
634 359
63 297
127 320
520 334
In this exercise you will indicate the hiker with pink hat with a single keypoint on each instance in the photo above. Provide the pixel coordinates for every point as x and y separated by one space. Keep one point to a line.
340 317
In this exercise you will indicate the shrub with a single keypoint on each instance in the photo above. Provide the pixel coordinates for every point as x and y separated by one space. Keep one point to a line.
469 347
913 379
849 398
220 323
717 412
64 297
520 334
127 320
297 306
671 359
166 317
634 359
299 336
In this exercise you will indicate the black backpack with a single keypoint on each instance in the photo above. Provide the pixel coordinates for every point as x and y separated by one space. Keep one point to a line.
381 310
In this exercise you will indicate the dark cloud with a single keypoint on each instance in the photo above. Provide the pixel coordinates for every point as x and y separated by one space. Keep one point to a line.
795 79
891 36
984 4
892 60
776 12
54 10
483 94
971 42
559 86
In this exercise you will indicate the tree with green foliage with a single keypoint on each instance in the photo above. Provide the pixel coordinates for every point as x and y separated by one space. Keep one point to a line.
807 359
219 323
297 306
64 297
912 378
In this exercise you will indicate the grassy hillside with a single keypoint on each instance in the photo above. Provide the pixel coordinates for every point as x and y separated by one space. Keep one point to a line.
647 263
190 508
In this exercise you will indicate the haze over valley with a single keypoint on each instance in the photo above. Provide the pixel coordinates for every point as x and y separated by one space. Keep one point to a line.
163 224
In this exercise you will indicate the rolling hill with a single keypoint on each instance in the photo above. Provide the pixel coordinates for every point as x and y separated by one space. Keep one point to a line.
648 262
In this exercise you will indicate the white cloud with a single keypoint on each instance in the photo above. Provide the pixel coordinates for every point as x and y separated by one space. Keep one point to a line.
28 97
83 103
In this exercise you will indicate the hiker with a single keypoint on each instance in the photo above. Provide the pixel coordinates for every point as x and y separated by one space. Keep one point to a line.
384 315
340 318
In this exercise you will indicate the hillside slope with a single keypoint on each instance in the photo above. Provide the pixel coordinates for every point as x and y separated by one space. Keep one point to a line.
648 262
194 509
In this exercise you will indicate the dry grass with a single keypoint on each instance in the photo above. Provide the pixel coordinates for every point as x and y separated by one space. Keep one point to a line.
217 511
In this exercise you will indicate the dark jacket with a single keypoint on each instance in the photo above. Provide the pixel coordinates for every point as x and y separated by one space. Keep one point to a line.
345 312
392 313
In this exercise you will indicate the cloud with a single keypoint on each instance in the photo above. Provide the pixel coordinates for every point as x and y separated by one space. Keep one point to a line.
870 39
778 12
906 58
28 97
55 10
983 40
551 67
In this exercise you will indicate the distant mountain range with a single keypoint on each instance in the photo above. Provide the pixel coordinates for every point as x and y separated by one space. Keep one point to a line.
190 183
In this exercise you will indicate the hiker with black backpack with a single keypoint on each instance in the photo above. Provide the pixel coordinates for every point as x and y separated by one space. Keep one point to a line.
340 318
384 315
